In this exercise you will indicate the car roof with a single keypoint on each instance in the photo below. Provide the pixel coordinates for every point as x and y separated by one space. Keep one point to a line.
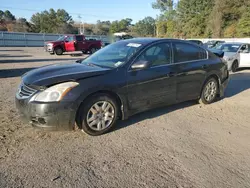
146 41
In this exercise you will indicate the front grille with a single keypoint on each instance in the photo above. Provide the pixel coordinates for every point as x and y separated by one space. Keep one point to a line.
26 91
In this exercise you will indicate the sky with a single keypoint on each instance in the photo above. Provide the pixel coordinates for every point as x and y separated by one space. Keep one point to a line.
90 10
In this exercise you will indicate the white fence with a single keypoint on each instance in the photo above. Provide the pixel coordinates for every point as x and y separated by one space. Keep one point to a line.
12 39
243 40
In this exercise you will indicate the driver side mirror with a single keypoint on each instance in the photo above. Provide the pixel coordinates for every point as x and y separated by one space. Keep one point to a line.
139 65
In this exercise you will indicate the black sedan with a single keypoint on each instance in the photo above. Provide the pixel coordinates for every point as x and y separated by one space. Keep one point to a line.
120 80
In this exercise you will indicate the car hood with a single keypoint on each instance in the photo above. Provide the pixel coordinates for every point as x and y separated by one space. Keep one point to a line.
58 73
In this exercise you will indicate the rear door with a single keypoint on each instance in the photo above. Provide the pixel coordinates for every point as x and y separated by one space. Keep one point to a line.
69 44
191 63
245 56
79 43
155 85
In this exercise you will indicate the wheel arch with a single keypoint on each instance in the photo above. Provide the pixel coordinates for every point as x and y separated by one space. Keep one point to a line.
212 75
59 46
111 94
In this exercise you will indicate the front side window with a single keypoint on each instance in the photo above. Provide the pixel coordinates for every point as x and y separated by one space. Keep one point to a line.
184 52
157 55
69 39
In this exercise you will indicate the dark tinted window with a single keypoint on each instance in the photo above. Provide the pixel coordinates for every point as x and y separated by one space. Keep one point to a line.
158 54
79 38
187 52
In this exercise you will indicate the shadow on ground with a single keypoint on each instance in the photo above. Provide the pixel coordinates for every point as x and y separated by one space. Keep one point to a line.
238 83
3 50
35 60
9 73
153 114
13 56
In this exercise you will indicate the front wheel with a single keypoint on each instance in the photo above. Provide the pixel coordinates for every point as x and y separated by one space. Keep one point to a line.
209 91
58 51
235 66
98 115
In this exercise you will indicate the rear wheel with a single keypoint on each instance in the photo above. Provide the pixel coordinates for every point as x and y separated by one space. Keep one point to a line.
235 66
58 51
98 115
209 91
93 50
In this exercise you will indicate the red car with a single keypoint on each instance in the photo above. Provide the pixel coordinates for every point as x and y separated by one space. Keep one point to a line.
71 43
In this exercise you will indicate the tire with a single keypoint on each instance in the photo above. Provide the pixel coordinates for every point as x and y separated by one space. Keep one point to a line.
103 119
235 66
92 50
58 51
209 91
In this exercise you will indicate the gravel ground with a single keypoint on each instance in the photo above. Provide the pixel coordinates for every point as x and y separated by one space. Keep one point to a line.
185 145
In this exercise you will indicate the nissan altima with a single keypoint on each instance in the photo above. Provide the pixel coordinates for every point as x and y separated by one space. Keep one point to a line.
120 80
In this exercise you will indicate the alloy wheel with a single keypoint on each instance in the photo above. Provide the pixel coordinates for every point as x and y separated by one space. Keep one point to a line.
100 116
210 91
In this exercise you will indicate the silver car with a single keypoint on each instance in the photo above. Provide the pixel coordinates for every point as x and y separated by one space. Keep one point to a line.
236 54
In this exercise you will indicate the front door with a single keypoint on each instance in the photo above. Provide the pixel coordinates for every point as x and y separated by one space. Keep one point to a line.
69 44
245 56
154 85
191 64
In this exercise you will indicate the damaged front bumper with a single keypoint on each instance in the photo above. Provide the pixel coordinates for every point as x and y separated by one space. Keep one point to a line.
48 116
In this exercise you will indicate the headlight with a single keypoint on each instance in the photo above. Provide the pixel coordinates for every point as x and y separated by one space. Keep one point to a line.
55 93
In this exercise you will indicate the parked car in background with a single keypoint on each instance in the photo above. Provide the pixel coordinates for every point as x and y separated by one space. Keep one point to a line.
122 79
213 43
236 54
197 42
71 43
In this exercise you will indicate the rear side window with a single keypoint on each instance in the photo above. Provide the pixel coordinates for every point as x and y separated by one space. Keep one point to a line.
187 52
158 54
79 38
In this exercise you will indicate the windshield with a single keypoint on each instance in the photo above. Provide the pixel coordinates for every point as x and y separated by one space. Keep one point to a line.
61 38
113 55
228 47
211 42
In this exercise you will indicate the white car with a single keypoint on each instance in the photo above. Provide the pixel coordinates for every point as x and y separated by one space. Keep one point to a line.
236 54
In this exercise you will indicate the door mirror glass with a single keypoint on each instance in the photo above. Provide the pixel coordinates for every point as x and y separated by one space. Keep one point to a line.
139 65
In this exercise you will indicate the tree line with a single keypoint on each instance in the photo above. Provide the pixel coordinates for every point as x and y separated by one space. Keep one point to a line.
184 19
203 18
